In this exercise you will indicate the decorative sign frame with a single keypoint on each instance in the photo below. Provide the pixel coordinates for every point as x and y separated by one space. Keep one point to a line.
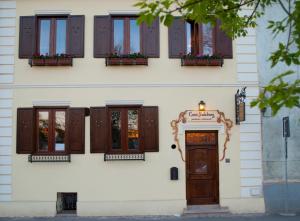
202 116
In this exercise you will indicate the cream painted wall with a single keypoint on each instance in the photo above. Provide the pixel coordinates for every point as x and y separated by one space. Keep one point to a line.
124 187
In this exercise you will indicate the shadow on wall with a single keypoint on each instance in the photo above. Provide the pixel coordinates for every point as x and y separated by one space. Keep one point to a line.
274 194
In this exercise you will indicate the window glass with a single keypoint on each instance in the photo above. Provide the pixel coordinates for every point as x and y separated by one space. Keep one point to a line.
45 37
61 29
60 128
43 120
116 129
188 37
207 39
118 36
133 130
134 36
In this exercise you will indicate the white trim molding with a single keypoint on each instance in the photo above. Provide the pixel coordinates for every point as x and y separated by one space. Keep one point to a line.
51 103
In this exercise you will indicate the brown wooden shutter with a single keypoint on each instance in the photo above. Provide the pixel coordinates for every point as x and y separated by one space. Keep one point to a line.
25 130
76 36
223 42
150 39
177 46
102 36
27 36
150 127
76 130
98 130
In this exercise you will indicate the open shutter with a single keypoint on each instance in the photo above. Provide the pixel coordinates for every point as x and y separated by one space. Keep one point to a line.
150 38
25 130
76 36
102 36
223 42
98 130
150 127
177 38
76 130
27 36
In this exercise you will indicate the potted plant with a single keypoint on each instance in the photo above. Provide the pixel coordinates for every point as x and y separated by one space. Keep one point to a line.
37 60
46 60
129 59
50 60
201 60
64 60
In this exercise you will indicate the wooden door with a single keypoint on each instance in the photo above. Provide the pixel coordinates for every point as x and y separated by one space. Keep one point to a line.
202 167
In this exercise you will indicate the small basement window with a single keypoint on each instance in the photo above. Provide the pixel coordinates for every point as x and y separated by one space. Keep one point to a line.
66 203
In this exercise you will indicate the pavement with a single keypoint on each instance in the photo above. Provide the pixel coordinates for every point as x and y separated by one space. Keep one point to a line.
258 217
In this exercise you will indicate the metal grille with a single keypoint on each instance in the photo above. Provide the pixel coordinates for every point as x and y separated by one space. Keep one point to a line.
49 158
111 157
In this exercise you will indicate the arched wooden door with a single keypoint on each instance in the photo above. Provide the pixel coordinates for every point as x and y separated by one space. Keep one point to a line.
202 167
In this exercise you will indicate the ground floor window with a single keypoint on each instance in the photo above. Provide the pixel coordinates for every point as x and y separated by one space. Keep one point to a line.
66 203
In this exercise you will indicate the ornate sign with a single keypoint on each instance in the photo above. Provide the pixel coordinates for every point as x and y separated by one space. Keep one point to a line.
201 116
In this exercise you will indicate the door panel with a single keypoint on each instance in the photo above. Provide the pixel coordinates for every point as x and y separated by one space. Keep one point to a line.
202 175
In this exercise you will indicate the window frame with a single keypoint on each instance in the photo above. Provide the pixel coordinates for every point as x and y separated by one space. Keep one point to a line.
124 129
53 29
51 128
126 40
197 38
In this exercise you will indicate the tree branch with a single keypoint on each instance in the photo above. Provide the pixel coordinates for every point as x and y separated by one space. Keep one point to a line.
284 8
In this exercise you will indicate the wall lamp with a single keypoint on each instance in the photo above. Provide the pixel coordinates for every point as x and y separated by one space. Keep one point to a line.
201 106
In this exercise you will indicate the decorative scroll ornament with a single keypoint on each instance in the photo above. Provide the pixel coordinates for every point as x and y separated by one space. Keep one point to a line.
220 118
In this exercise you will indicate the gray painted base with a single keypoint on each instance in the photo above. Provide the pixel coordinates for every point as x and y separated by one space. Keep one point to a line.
274 194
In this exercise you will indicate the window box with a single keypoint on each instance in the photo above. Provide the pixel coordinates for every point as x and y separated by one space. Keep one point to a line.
55 61
202 61
126 61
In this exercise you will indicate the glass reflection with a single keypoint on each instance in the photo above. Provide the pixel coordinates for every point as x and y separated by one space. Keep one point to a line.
45 37
116 129
133 132
43 119
60 128
134 37
61 27
118 36
188 37
207 39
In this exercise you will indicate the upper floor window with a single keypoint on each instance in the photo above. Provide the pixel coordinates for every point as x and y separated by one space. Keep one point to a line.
120 35
126 36
43 36
52 35
199 39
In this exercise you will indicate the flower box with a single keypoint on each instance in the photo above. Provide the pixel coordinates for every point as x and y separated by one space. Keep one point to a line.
52 61
111 61
194 61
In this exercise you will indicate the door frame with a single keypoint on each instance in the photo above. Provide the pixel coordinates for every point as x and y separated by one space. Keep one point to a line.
217 163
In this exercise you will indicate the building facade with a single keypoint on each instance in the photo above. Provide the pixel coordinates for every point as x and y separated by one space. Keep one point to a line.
273 141
72 121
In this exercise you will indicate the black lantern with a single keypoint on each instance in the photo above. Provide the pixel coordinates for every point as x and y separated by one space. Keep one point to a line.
240 106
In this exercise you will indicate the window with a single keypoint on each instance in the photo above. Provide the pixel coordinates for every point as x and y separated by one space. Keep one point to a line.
42 35
126 36
52 36
51 130
124 129
199 39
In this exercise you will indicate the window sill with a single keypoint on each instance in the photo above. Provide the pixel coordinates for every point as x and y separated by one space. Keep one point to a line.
126 61
202 62
51 62
49 158
124 156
